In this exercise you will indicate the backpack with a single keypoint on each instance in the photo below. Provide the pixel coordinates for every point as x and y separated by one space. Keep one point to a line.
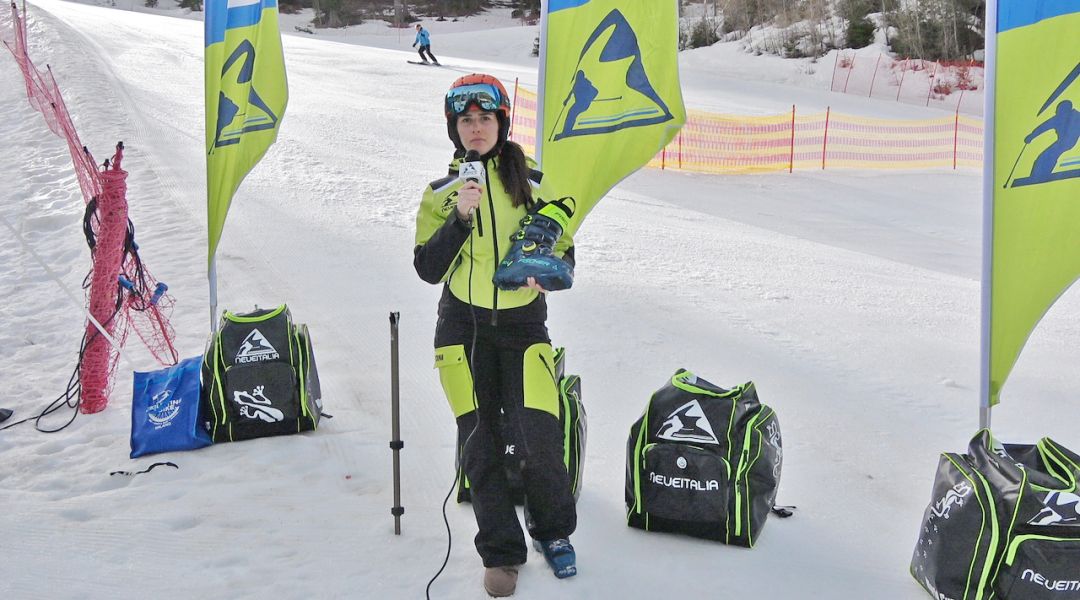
1003 522
703 461
573 421
259 377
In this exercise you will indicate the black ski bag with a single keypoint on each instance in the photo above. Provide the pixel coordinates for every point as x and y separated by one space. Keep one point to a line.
703 461
573 422
1003 523
259 377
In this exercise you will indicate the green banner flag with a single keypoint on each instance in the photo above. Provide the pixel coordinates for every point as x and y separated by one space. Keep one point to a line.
609 92
246 94
1032 181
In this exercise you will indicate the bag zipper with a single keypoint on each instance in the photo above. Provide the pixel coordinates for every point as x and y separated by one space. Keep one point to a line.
743 455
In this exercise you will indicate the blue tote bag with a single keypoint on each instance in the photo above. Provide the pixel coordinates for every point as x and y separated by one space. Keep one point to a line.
165 410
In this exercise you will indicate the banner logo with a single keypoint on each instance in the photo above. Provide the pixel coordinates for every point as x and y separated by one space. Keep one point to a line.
261 116
1061 159
688 424
611 90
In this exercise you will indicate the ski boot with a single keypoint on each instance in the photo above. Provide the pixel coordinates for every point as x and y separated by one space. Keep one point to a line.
559 555
532 253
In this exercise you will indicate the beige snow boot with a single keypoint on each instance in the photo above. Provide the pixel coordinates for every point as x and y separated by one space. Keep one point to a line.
500 582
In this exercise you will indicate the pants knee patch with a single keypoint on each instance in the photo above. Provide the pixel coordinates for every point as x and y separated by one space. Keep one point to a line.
456 378
539 388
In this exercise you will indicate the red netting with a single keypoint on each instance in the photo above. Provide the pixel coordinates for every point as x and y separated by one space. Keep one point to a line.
122 293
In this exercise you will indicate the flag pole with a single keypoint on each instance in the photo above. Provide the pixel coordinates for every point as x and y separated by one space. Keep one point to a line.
989 87
541 78
211 275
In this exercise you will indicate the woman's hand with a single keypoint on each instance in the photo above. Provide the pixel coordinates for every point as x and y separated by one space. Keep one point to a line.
531 282
468 199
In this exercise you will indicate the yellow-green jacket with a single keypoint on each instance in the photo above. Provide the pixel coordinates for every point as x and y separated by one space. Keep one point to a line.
444 251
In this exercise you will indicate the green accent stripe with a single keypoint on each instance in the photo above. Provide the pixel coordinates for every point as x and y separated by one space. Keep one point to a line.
638 459
1015 544
982 527
564 397
219 376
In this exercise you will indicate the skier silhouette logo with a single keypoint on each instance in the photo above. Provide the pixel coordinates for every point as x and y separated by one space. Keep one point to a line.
610 61
258 117
688 423
1053 163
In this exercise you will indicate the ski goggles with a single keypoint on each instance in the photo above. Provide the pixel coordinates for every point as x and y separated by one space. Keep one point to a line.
484 95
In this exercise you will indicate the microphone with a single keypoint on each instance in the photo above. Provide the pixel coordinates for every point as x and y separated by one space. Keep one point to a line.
471 169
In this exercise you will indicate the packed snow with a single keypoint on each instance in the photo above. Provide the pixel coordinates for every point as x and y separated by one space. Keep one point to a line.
851 298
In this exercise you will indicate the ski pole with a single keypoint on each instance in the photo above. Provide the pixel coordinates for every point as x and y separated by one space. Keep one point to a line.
395 423
1013 170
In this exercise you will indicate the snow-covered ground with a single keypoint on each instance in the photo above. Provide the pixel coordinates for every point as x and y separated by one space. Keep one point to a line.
850 298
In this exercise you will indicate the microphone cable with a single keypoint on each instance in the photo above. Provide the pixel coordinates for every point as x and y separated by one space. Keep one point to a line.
476 425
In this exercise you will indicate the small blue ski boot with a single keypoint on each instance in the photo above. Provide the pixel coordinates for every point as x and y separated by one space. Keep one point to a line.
559 555
532 252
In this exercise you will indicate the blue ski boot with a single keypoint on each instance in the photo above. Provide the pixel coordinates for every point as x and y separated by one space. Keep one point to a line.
559 555
532 252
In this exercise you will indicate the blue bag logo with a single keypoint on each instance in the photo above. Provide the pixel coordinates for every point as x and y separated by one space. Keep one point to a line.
163 409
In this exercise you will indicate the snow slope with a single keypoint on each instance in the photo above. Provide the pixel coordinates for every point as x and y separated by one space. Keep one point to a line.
850 298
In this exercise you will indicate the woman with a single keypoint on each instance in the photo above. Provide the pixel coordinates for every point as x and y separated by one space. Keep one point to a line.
495 337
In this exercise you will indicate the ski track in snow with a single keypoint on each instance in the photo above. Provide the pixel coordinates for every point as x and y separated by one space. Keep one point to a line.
865 343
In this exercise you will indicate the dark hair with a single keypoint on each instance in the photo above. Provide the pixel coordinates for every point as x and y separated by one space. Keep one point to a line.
514 174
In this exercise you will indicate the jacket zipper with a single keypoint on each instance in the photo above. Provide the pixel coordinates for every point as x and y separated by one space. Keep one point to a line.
495 245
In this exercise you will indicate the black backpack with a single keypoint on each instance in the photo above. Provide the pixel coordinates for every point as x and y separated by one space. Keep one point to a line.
259 377
1003 523
572 419
703 461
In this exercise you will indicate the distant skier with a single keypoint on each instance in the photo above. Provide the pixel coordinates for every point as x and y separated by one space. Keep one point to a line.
424 40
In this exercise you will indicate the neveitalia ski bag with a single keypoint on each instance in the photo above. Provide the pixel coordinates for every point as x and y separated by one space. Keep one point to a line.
1003 523
703 461
572 419
259 377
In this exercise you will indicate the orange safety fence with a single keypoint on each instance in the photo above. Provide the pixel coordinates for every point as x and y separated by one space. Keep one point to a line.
715 143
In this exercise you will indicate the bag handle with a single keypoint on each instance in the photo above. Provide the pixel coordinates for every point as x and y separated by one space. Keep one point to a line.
235 318
682 379
1058 463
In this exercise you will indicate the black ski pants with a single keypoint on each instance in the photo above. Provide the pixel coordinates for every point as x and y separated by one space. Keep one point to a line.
427 49
501 366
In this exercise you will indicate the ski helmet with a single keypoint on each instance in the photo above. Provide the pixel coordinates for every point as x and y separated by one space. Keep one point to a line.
482 91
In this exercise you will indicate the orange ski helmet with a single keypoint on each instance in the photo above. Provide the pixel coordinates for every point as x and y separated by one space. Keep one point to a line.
483 91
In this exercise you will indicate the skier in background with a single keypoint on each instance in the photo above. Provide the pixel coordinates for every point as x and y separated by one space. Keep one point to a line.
424 40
